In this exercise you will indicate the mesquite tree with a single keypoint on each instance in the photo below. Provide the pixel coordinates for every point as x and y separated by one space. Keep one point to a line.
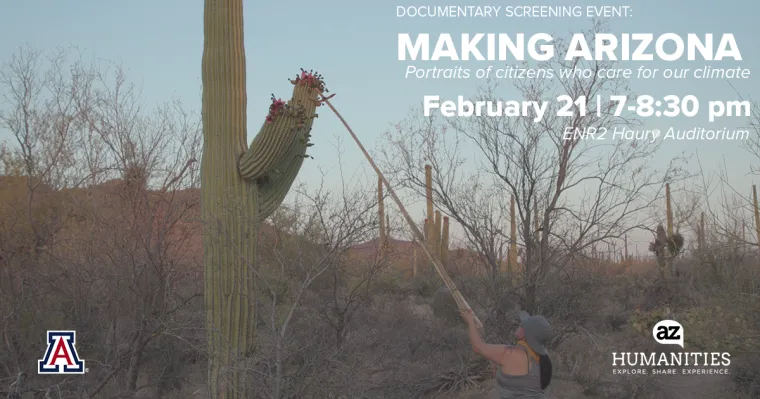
240 186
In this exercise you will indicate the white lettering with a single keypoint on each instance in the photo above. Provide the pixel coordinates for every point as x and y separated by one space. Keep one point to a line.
606 44
497 47
626 46
534 110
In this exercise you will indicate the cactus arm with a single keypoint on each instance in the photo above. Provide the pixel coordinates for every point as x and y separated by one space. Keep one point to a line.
283 126
272 191
267 148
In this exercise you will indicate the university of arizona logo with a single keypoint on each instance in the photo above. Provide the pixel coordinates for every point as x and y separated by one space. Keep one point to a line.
61 354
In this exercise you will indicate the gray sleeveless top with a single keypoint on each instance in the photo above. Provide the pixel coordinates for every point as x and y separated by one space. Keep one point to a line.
526 386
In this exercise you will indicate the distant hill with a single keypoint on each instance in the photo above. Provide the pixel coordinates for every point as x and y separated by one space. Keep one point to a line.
66 212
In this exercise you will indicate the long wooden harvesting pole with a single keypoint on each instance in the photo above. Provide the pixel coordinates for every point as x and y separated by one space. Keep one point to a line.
429 202
461 302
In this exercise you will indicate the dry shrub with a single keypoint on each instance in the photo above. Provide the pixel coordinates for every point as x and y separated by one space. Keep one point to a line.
719 312
458 377
746 376
445 307
572 301
425 287
634 387
586 363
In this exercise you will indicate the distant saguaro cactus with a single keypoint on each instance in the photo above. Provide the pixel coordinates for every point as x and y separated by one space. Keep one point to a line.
430 220
667 245
240 187
668 210
429 204
675 240
701 232
662 242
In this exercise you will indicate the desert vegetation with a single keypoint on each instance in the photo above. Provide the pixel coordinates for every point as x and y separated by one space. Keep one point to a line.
108 226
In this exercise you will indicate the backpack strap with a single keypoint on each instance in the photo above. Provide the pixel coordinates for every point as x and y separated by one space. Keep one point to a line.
531 354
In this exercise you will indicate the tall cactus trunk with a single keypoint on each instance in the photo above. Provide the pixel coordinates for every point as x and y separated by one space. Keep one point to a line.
240 187
669 217
668 210
226 255
701 240
626 260
430 225
429 202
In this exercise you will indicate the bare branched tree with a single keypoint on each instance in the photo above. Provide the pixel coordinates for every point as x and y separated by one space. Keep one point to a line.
308 242
582 191
102 186
349 286
725 210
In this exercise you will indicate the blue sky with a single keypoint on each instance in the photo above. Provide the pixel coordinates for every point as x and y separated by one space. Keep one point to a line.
354 45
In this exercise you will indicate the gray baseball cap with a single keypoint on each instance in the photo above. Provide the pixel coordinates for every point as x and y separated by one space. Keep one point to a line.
537 331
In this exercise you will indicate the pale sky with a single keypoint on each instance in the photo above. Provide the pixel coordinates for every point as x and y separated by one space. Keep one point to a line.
354 45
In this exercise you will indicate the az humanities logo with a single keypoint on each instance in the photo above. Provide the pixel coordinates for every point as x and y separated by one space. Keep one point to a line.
670 332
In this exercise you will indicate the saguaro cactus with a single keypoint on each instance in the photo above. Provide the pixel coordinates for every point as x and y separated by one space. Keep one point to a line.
626 259
240 187
429 203
675 240
667 245
668 210
658 247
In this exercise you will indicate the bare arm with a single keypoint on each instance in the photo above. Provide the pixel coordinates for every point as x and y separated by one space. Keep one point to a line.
494 353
